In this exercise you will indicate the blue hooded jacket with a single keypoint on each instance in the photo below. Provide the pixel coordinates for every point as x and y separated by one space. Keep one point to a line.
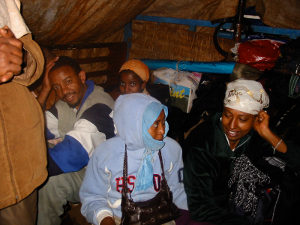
101 190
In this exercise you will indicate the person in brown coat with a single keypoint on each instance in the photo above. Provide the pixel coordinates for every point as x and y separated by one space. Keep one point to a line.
22 144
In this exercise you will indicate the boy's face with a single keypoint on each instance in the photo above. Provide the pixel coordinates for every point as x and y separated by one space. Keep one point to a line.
130 83
157 129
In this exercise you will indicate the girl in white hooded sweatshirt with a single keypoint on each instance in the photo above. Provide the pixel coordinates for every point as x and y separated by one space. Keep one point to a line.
141 125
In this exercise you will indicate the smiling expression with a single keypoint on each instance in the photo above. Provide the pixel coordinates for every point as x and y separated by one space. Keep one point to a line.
157 129
68 86
130 82
236 125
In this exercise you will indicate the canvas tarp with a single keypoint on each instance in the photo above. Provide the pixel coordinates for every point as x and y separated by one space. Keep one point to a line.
93 21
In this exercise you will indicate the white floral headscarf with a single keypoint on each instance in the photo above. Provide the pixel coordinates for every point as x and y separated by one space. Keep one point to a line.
246 96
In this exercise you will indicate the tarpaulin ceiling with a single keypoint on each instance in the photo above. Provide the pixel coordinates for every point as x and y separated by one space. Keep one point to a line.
79 21
92 21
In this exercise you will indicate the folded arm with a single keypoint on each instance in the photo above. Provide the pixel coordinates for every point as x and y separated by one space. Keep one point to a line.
72 154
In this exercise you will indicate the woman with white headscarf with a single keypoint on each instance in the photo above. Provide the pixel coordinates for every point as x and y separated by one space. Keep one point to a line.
242 126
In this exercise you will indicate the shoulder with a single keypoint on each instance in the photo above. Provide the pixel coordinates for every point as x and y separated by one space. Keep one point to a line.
97 110
199 137
200 146
169 142
53 111
100 96
60 104
100 115
171 148
200 159
203 131
109 149
61 109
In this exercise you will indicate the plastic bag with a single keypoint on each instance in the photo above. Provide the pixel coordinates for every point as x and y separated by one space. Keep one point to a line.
260 53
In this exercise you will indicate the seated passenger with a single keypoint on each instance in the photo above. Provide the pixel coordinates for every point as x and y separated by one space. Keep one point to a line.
141 125
76 124
242 127
133 77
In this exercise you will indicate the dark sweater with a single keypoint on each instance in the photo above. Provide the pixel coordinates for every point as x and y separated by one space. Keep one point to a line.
209 164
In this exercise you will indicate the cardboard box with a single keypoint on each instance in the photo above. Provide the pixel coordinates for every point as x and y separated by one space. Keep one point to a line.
182 85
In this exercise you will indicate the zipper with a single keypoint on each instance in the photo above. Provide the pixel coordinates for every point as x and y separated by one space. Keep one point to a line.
243 142
238 145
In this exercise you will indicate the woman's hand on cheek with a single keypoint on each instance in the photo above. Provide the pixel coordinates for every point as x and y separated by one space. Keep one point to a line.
261 124
262 127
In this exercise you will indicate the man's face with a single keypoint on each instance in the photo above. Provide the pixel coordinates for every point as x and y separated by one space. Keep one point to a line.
68 86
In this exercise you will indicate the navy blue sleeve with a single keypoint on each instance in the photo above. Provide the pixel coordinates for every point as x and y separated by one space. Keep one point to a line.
67 156
98 115
92 128
53 119
49 135
53 110
53 168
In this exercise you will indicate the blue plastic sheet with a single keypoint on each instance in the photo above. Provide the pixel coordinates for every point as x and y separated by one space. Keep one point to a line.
201 67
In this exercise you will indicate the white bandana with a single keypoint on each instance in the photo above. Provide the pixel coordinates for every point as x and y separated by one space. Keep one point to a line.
246 96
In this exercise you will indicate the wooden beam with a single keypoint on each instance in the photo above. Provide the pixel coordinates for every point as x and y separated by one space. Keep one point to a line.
87 46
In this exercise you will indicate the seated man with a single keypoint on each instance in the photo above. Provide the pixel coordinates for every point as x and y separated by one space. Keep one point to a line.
77 123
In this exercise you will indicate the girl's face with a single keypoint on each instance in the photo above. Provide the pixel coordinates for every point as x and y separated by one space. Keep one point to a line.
157 129
130 82
236 124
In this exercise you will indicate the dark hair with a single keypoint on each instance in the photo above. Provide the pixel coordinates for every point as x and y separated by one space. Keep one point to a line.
48 54
66 61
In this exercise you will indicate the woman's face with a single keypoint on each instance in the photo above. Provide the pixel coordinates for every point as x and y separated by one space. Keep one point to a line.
236 124
130 82
157 129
